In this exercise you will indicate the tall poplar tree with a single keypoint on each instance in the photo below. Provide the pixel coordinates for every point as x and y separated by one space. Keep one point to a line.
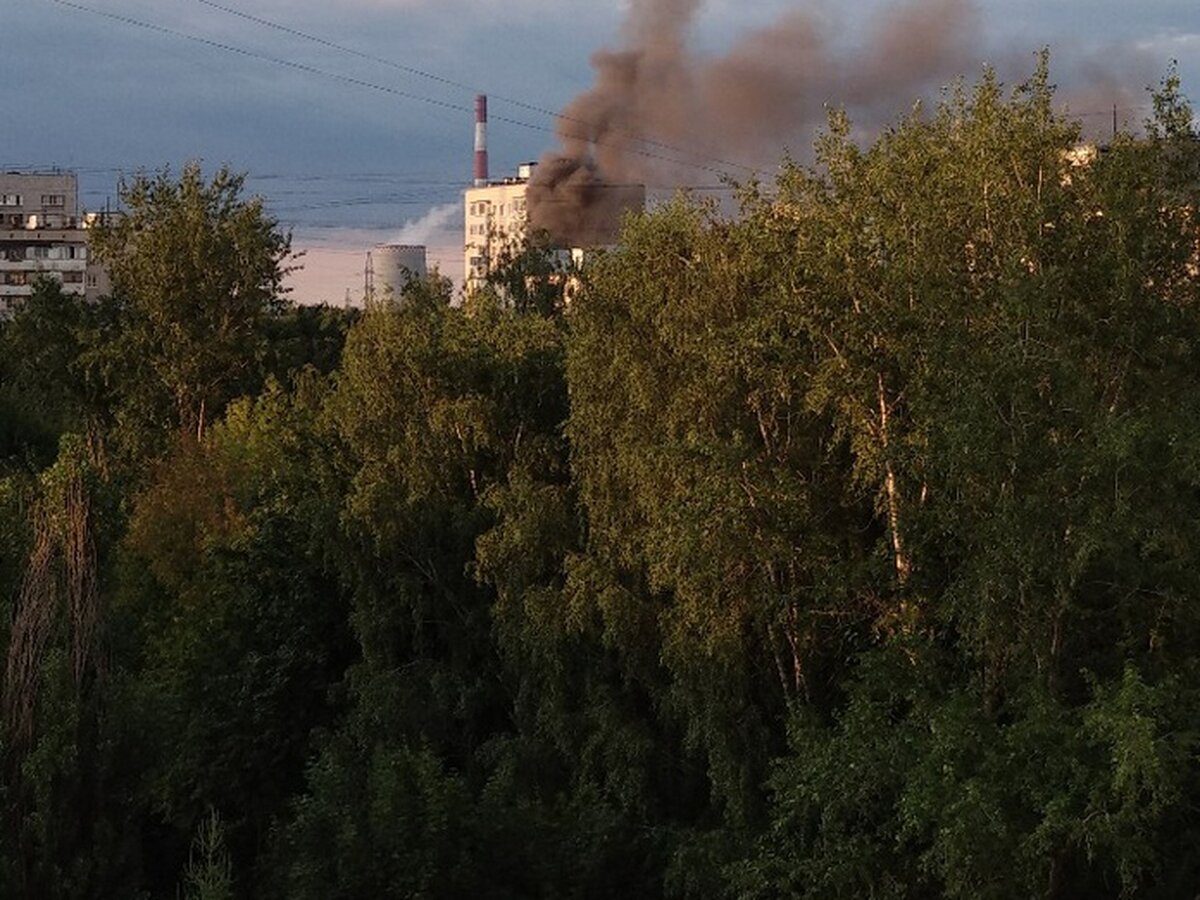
198 266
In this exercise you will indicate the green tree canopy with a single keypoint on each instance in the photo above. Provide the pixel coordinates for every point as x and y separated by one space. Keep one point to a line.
839 544
198 267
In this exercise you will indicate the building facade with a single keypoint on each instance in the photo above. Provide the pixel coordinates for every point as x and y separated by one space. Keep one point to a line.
43 234
496 221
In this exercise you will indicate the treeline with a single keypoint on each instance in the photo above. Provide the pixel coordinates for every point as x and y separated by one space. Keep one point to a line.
842 547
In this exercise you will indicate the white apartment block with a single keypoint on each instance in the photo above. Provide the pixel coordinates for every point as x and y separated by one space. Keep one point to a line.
44 235
496 221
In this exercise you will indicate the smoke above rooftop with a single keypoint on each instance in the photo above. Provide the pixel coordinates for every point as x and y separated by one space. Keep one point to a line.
658 106
666 115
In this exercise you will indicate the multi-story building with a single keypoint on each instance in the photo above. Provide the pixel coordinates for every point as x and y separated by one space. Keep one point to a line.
498 213
496 222
44 234
498 217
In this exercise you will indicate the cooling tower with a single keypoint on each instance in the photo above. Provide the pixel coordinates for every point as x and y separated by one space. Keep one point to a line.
390 267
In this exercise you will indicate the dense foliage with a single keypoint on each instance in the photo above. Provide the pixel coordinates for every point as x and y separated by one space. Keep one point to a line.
840 547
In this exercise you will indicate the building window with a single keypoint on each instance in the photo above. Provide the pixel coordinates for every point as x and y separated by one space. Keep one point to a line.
91 279
10 199
39 252
15 278
54 200
72 277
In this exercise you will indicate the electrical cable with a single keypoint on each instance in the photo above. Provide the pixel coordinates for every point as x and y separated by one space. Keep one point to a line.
412 70
347 79
706 154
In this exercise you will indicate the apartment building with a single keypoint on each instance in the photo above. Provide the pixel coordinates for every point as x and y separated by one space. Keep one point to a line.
43 234
497 213
496 222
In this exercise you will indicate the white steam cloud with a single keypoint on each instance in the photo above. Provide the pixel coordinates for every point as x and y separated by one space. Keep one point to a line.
429 227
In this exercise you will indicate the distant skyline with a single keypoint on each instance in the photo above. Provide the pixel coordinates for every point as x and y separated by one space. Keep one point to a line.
345 164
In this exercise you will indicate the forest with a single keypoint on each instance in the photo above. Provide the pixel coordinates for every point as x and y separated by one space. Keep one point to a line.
843 545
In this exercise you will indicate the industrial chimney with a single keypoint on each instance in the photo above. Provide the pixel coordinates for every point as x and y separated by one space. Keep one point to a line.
481 160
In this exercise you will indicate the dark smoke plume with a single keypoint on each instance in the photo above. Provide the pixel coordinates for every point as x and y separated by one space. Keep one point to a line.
570 201
663 115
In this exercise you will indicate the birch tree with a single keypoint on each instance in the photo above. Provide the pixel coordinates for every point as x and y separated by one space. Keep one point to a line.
198 266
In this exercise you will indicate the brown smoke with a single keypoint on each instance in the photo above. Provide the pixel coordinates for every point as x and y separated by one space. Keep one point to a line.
570 201
1113 76
664 115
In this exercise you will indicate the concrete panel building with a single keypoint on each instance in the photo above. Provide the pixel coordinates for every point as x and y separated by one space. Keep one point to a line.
497 221
496 217
43 234
497 214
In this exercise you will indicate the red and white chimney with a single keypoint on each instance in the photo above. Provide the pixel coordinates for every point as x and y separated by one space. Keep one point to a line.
481 160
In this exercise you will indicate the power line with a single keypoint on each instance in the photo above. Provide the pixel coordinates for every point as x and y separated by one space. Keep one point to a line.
1106 112
394 199
440 79
412 70
346 79
320 178
242 51
405 178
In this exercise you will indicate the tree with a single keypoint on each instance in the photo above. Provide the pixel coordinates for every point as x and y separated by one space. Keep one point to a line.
209 874
857 471
446 418
60 769
198 268
49 381
843 545
1007 337
234 621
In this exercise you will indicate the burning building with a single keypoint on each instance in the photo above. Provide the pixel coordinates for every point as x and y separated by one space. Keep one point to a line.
564 198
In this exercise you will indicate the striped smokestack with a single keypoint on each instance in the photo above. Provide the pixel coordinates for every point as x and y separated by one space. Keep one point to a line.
481 160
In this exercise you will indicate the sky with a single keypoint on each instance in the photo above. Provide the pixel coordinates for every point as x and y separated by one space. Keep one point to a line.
370 141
